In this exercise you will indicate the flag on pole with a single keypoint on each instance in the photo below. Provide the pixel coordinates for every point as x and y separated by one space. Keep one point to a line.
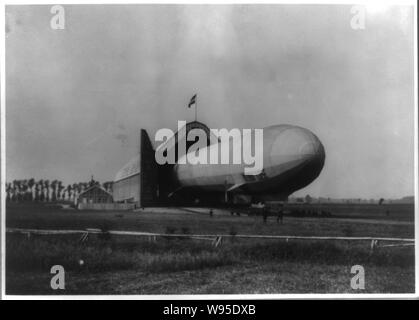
193 101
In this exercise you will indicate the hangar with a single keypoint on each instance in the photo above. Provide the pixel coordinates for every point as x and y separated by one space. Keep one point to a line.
137 181
142 181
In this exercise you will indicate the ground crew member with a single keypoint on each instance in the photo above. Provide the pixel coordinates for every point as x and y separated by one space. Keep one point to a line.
265 213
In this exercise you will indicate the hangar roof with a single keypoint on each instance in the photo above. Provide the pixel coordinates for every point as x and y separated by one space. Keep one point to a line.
130 169
133 166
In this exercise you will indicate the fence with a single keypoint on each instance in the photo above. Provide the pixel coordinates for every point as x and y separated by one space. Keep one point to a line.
105 206
216 239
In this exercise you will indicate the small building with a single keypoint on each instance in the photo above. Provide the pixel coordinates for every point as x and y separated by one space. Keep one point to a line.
92 196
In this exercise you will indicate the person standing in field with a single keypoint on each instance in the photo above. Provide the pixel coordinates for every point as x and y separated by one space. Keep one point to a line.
264 213
280 215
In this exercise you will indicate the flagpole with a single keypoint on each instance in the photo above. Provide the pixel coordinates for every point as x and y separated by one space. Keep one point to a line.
196 107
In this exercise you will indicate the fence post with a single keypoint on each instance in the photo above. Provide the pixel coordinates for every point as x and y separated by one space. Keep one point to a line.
217 241
374 244
84 237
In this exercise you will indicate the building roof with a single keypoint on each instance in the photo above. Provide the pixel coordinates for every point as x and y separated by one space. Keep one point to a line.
133 166
130 169
93 187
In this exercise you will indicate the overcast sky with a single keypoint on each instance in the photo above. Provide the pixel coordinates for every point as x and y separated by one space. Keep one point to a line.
76 98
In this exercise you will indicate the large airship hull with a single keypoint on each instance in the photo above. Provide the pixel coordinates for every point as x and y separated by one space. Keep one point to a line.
293 157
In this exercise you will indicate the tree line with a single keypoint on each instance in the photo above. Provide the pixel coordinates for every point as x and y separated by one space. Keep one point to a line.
31 190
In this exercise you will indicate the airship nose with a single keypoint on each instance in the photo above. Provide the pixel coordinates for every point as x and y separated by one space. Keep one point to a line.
293 147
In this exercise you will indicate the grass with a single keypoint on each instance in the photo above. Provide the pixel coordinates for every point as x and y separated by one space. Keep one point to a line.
166 220
123 265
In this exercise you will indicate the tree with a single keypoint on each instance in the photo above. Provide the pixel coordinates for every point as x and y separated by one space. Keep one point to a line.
75 191
68 190
25 191
31 183
9 190
41 195
47 195
15 191
18 190
54 185
60 189
36 193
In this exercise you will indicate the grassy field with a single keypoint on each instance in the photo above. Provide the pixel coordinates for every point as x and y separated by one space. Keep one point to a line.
402 211
122 265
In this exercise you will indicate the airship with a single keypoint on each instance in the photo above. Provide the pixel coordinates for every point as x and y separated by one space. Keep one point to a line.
293 157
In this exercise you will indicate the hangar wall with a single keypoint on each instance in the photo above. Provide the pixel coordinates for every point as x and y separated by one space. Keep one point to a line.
126 187
137 181
148 189
127 190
